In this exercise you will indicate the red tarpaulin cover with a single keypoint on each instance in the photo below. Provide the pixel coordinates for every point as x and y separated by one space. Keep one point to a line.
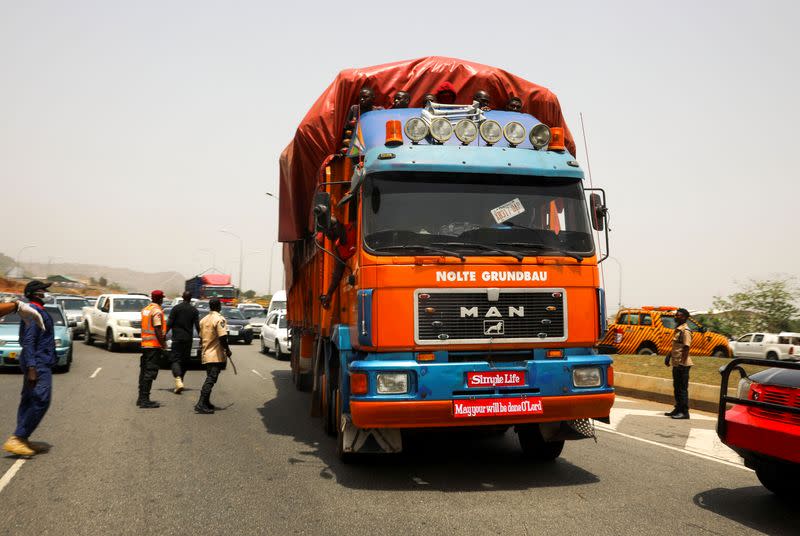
320 133
219 280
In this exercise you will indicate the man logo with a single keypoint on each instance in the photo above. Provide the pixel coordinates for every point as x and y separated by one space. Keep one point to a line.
493 327
492 312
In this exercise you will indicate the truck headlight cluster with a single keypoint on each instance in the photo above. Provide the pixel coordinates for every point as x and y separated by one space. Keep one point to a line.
540 136
587 377
124 323
441 129
491 132
392 383
743 389
416 129
466 131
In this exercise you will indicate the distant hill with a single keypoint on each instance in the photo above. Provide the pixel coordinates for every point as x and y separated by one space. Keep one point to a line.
130 280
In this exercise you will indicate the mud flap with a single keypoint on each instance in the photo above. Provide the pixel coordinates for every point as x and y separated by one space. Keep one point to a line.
370 440
568 430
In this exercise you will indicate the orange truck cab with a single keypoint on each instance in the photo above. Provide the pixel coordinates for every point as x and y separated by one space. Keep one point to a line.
648 331
472 297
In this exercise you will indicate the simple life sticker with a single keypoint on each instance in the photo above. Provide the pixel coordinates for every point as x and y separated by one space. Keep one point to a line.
506 211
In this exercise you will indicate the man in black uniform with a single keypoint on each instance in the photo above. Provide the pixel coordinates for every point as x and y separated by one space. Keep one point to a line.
183 321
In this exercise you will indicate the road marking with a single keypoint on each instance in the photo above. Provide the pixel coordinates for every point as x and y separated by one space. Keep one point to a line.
604 428
96 372
257 373
10 473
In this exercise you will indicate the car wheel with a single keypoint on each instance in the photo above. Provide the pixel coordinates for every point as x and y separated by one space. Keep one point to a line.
772 356
87 337
248 339
263 347
780 479
646 349
534 446
719 352
111 346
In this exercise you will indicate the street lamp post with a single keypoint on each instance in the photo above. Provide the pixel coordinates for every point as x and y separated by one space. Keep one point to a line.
241 255
213 257
19 257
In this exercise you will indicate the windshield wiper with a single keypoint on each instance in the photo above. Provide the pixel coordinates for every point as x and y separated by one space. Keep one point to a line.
484 247
542 247
425 248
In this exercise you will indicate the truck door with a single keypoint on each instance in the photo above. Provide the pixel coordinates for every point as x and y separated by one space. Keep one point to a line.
742 346
701 342
630 333
97 314
756 346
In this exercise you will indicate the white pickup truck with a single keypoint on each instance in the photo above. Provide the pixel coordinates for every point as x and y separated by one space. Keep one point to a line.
116 319
784 346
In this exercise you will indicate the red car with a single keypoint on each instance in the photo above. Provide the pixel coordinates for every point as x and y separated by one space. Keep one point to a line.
763 423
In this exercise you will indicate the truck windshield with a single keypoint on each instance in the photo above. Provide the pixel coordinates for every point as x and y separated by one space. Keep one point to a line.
130 305
475 214
219 292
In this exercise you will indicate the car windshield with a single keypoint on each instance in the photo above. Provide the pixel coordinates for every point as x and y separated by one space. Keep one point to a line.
475 213
277 305
73 304
233 314
55 314
130 305
252 313
257 319
219 292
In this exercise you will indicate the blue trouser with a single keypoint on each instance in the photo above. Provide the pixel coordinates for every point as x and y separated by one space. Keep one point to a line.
34 401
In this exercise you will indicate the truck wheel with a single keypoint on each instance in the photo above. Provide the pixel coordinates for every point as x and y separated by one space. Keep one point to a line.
111 346
278 354
534 447
87 338
345 457
779 479
328 407
719 352
647 348
772 356
263 347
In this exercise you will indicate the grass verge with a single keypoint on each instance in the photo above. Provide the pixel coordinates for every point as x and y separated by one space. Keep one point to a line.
705 369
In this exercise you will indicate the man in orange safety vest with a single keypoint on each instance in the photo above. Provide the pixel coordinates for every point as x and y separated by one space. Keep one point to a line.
154 329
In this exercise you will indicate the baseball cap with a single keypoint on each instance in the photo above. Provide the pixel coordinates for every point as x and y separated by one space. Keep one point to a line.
35 285
157 294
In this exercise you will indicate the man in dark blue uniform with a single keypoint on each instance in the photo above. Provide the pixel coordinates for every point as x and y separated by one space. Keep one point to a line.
36 360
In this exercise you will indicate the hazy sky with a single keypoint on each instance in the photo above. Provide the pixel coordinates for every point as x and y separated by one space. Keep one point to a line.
138 129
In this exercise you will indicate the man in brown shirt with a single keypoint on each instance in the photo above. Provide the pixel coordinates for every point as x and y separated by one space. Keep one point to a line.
681 364
215 350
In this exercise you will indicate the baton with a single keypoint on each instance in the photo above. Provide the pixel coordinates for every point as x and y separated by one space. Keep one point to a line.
230 358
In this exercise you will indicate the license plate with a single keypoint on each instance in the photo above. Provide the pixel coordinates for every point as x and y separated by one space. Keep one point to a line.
496 407
496 378
233 332
137 335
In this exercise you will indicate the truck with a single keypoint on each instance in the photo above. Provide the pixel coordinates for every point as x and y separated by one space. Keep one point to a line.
472 297
115 319
648 330
207 286
784 346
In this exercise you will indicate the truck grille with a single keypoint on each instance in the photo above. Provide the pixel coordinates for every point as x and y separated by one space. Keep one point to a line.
511 315
136 324
783 396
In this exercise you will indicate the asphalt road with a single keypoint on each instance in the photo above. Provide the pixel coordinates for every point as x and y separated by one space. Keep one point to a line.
263 466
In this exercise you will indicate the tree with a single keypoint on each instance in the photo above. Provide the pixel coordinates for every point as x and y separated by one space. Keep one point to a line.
761 305
103 282
249 294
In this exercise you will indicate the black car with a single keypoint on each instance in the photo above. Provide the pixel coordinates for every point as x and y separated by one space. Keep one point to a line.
239 329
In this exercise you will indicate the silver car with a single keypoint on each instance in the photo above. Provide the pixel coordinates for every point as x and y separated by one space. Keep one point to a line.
73 308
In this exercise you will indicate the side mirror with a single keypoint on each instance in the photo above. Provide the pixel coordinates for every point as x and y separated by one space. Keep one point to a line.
598 212
322 211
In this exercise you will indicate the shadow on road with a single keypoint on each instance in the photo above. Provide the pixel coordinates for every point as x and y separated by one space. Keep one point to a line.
448 462
753 507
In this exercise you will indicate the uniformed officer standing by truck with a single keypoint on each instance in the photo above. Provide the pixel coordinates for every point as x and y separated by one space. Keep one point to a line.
214 341
154 329
681 365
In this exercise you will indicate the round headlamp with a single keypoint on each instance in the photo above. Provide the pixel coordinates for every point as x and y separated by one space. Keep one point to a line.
416 129
491 132
514 133
540 136
466 131
441 129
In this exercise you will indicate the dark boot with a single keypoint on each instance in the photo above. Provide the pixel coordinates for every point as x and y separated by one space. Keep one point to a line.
209 404
202 405
671 413
144 396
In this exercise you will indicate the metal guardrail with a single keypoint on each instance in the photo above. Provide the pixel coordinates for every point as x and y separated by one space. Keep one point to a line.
724 399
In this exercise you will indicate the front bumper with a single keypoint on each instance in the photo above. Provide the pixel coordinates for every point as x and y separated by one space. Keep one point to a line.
440 413
125 335
241 335
752 436
9 356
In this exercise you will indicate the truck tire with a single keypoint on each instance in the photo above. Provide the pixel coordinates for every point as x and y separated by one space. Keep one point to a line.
87 338
111 346
345 457
647 348
719 351
328 407
779 479
534 447
772 356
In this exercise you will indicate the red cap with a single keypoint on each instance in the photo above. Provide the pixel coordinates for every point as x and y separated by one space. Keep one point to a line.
157 294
